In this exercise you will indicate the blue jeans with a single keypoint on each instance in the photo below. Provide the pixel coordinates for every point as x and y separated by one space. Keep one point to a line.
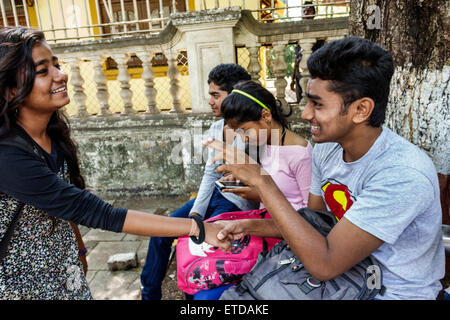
157 260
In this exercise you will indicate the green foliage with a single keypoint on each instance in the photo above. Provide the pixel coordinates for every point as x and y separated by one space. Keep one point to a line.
289 58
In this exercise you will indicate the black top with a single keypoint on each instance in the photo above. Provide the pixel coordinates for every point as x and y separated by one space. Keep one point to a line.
28 179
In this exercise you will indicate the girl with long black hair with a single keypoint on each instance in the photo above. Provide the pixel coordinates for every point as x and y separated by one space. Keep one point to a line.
41 187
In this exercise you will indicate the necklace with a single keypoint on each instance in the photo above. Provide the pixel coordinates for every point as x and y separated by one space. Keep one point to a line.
283 134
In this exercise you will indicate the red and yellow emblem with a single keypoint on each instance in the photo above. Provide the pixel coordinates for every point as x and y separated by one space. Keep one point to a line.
338 198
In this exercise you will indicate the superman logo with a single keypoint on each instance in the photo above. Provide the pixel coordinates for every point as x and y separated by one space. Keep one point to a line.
338 198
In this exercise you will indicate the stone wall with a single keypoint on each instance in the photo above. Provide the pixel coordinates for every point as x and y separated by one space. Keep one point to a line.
136 156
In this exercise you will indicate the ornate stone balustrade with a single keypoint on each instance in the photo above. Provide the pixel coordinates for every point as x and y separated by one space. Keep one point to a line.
208 37
93 82
126 142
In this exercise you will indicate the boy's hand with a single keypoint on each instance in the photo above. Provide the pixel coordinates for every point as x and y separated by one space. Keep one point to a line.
247 193
239 164
231 229
211 237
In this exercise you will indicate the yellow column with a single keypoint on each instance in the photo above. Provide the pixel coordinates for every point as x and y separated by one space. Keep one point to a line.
32 16
191 4
94 17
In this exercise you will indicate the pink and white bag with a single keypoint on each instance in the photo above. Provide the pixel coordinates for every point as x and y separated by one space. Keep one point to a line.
203 267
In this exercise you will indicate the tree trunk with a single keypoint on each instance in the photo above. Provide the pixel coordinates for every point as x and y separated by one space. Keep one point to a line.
416 33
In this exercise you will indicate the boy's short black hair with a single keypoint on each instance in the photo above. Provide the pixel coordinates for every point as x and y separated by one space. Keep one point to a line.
313 7
226 75
356 68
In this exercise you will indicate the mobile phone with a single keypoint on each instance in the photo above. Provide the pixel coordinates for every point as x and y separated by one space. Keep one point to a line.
229 185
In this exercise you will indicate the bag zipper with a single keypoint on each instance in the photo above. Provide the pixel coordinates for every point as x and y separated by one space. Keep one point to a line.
287 261
284 264
351 281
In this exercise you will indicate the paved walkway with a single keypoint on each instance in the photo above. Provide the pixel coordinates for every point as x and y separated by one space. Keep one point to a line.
125 285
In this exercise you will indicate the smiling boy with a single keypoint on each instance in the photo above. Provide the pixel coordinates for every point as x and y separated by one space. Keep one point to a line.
383 189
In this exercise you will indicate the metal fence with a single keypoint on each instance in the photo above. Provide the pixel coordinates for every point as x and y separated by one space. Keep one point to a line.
161 84
64 20
68 20
266 58
293 10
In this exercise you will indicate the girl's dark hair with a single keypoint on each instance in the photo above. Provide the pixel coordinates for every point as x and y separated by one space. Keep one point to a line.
239 108
17 71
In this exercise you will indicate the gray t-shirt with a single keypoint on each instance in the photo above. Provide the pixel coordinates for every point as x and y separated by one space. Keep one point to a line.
392 192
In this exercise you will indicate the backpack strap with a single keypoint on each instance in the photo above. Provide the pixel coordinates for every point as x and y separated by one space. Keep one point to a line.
382 289
8 234
322 221
265 246
20 140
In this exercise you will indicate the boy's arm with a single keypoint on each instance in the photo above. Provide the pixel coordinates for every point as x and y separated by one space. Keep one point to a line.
236 229
316 203
324 257
263 228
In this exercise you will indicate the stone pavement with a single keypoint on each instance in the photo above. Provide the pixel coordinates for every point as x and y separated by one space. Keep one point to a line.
125 285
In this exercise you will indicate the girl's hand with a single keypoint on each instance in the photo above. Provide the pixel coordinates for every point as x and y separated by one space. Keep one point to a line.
228 177
211 237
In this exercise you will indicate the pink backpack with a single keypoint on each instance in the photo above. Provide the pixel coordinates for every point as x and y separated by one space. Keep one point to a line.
202 267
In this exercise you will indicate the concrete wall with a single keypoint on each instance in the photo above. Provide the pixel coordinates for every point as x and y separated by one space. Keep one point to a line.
145 155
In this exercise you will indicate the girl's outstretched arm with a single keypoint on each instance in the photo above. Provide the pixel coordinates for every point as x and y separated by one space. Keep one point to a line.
142 223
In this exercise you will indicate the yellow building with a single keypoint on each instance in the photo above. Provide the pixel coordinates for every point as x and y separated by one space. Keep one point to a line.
84 20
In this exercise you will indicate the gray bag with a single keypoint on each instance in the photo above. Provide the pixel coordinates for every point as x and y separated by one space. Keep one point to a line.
279 274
